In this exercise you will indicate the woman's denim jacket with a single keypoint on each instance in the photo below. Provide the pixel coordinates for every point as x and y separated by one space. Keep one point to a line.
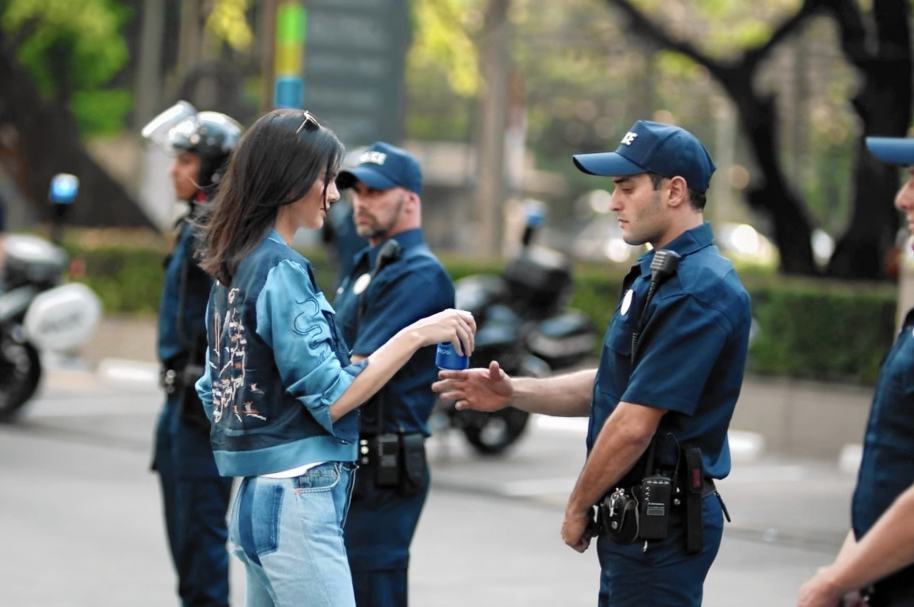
275 363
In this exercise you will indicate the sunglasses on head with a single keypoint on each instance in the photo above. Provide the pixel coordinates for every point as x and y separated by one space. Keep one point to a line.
310 123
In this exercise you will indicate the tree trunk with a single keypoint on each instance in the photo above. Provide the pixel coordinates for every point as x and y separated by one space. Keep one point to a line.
771 193
490 187
884 107
48 143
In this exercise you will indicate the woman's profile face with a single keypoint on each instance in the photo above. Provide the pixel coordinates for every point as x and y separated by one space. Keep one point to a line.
308 211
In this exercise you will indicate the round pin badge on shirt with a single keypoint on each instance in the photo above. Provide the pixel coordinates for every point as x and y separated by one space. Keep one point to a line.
627 301
361 283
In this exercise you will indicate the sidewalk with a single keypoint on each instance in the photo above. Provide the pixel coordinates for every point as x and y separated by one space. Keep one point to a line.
774 415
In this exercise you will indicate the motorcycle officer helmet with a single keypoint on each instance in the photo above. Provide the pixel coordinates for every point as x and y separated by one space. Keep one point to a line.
211 136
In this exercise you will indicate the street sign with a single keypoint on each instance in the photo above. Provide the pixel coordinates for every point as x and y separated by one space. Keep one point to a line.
355 52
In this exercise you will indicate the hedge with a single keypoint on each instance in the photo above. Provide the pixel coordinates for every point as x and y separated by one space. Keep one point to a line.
812 329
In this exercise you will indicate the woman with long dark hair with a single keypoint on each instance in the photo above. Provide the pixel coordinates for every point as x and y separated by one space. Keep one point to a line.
279 388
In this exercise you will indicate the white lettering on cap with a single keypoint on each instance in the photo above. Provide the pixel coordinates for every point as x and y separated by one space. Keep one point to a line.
373 157
629 138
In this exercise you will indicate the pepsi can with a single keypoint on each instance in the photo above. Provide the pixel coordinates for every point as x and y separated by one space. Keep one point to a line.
447 358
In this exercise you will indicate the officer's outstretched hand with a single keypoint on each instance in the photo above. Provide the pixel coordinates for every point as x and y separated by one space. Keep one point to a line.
481 389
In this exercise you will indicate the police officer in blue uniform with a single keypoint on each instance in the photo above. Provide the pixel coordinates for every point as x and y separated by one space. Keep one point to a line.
394 282
878 554
195 498
669 375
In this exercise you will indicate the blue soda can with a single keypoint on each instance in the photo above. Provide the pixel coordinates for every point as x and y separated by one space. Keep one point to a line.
447 358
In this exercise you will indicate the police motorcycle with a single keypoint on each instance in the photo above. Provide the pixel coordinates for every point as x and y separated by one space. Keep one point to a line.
523 324
37 312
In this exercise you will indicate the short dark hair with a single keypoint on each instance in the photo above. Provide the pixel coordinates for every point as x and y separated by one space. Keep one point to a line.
696 199
275 163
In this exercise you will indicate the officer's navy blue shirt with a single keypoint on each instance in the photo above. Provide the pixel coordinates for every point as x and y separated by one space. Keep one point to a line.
692 352
887 467
183 303
412 287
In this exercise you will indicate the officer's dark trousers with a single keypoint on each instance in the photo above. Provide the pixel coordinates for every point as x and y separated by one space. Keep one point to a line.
664 576
195 500
379 529
897 590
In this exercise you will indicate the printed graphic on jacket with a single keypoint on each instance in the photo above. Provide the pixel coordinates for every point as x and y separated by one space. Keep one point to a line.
228 363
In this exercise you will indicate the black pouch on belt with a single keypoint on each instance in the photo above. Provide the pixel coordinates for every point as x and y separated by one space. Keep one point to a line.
386 455
415 467
618 515
693 482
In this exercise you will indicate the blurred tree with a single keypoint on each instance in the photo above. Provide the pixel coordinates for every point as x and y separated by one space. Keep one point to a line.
72 49
442 73
67 75
55 59
876 42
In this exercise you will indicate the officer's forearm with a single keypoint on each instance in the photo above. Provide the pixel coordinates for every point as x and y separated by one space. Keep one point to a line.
624 437
382 365
885 548
562 396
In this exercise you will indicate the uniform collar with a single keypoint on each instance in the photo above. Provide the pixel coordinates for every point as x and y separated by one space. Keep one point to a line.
407 239
685 244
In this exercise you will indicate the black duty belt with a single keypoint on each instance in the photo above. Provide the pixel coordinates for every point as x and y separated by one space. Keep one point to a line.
175 380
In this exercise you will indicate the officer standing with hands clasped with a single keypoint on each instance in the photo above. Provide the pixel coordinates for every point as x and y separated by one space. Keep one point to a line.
661 399
394 282
195 498
878 553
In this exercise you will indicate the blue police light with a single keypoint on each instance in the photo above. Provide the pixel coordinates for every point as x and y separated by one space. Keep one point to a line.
64 187
533 213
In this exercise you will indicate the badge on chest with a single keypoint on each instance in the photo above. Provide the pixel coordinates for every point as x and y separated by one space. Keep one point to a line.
627 302
361 283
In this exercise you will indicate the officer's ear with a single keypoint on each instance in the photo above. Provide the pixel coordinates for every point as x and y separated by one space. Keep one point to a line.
679 192
412 199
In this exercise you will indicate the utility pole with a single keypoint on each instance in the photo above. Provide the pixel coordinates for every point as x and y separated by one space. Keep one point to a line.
267 38
188 39
291 28
148 82
490 189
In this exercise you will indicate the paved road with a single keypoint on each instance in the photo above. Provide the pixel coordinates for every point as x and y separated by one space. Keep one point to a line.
80 522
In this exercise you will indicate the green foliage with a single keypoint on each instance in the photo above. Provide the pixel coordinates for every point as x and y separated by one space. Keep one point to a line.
442 73
443 43
822 331
101 111
228 22
72 48
127 279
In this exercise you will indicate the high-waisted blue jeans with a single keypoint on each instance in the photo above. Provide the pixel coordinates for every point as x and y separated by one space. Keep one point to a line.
288 533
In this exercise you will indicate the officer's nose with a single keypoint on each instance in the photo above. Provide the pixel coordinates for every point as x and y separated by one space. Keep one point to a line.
615 204
904 200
